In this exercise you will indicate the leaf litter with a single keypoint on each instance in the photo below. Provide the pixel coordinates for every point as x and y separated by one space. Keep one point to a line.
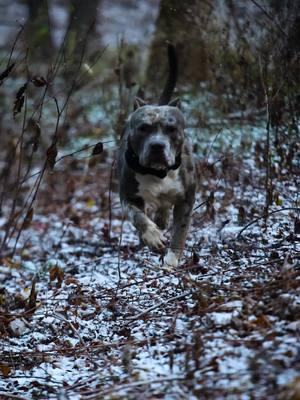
87 313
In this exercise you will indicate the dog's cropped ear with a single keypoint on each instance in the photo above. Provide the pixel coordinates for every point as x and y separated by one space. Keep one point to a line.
175 103
138 102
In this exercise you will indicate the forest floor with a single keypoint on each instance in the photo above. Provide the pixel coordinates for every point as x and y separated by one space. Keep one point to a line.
87 313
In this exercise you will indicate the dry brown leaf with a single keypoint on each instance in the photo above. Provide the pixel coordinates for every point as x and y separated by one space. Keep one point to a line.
28 219
5 370
31 304
20 98
56 273
98 148
11 263
34 127
51 156
6 72
39 81
262 321
71 281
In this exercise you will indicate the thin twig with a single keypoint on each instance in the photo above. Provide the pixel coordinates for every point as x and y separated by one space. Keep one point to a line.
14 44
84 148
8 395
212 144
119 253
268 184
162 303
11 218
263 216
270 17
110 196
132 385
71 326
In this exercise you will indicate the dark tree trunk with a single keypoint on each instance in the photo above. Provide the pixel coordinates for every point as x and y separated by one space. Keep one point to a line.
181 23
37 30
83 16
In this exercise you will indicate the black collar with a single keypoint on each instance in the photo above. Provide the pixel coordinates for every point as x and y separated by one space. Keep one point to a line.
133 162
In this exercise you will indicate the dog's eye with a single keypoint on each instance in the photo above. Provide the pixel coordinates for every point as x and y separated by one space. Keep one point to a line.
145 128
171 128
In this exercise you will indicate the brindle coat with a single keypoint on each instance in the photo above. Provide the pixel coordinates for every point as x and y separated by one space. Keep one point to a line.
155 167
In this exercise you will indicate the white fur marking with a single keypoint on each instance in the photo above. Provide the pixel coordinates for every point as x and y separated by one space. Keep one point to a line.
170 260
151 188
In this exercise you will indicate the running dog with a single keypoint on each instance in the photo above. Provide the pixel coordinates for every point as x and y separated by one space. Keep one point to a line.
156 168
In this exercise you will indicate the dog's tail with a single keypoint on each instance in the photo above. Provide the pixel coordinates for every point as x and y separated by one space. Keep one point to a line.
167 93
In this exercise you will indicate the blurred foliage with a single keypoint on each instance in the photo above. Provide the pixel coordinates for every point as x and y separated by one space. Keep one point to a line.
238 63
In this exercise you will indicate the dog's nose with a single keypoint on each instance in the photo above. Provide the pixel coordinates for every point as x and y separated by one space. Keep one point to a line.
157 146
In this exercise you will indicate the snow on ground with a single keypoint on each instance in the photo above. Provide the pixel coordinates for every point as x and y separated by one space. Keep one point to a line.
109 322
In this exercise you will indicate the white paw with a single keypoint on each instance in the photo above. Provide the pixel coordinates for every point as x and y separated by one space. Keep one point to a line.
154 238
170 260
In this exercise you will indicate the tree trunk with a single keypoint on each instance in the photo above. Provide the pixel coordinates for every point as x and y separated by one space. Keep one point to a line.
83 16
37 30
181 23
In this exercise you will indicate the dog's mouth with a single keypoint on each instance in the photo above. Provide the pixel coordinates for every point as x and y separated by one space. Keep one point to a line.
158 160
159 166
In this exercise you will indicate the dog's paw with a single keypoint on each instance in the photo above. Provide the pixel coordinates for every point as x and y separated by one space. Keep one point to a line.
170 260
153 238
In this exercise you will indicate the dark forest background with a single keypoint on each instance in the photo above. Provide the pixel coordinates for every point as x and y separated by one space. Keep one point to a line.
70 71
84 309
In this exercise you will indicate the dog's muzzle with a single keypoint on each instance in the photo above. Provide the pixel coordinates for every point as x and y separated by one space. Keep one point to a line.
156 152
157 156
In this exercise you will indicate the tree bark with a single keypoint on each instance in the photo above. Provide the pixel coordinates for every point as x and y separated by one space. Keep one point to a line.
83 17
182 23
37 30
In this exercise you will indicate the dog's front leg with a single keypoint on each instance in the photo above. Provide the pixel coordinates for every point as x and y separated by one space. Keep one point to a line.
182 217
148 231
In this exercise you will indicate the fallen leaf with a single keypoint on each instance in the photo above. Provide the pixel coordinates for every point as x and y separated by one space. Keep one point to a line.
5 370
31 304
90 203
28 219
56 273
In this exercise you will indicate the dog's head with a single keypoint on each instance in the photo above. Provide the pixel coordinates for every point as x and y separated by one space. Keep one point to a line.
156 135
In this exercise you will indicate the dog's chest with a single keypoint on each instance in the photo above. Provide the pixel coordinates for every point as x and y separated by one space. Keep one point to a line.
160 192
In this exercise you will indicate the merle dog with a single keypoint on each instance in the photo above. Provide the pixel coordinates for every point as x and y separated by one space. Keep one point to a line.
155 168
